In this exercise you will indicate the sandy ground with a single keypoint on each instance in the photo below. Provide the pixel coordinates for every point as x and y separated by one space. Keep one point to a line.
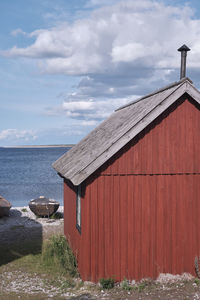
23 224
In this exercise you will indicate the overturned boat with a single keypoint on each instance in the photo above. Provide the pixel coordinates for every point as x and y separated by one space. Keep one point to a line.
43 207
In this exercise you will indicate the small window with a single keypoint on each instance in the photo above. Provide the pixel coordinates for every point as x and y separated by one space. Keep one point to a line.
78 208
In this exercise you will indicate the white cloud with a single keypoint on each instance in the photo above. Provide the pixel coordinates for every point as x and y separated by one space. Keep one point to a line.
123 49
15 134
88 112
47 44
124 32
18 31
94 112
78 105
89 123
128 52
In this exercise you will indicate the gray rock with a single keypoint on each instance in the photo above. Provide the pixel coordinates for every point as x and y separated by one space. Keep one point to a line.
4 207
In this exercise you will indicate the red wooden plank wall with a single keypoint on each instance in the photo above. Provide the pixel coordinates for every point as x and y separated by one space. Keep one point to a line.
140 211
169 145
70 230
155 230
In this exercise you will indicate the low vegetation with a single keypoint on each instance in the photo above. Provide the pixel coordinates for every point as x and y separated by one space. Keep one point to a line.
57 254
57 215
125 285
107 283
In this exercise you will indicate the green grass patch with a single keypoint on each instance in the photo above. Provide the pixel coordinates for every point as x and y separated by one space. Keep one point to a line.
53 257
107 283
67 283
125 285
13 252
197 281
56 253
57 215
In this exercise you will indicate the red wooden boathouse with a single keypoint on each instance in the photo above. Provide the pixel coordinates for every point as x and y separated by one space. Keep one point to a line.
132 188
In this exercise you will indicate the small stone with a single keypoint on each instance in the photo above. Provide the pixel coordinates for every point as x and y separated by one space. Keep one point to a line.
89 283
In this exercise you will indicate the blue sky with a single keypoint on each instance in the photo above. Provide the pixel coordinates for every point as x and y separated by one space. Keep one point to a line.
67 64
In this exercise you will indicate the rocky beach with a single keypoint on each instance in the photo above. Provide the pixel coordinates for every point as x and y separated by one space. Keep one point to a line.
22 224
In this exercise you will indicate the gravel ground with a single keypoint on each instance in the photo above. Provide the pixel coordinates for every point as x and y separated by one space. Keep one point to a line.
166 287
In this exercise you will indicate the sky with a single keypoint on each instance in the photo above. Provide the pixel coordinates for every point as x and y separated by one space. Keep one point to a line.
66 65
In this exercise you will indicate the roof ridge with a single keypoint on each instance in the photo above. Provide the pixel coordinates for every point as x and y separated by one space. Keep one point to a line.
156 92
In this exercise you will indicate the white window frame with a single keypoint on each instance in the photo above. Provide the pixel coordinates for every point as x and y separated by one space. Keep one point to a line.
78 208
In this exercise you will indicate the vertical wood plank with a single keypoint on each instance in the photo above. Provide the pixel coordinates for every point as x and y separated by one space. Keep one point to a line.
116 233
130 229
107 227
86 233
123 226
101 229
94 230
137 227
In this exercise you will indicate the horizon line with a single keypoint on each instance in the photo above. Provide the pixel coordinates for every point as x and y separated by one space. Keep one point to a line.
39 146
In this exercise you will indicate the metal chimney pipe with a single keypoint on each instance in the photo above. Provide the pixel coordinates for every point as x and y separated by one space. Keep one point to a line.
183 49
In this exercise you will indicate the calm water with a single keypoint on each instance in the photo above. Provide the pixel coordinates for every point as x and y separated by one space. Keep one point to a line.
26 173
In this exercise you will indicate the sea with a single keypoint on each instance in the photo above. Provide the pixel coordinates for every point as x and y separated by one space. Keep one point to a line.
27 173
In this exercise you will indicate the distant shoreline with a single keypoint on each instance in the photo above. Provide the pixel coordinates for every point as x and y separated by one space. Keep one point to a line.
41 146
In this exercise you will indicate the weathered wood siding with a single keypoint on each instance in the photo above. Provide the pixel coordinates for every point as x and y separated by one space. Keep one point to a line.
169 146
140 210
70 230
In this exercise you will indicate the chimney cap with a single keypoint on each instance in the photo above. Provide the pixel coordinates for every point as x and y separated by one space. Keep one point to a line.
184 48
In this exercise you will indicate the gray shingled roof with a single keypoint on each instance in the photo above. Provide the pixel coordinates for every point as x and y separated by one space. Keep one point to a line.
116 131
